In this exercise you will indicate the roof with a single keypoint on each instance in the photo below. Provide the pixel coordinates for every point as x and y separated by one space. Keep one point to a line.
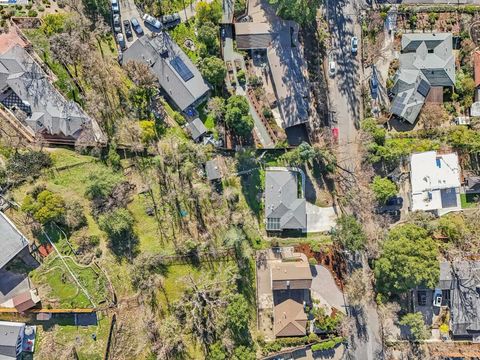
176 73
435 181
9 333
476 65
25 85
25 301
463 280
426 61
212 169
282 204
286 65
196 128
472 183
289 319
11 240
293 268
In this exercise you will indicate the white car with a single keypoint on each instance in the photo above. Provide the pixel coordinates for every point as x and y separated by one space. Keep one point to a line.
150 20
115 6
121 41
354 45
332 68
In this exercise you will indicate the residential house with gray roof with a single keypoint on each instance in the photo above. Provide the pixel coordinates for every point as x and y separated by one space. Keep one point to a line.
11 339
27 92
285 208
12 242
179 78
426 62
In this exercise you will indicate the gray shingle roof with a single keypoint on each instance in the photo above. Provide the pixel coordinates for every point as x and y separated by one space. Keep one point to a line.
11 240
463 280
9 334
47 110
426 60
158 53
212 170
196 128
282 202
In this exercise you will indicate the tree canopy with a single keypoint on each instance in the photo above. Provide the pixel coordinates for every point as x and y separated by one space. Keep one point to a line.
213 70
409 259
238 316
301 11
237 116
416 325
349 233
44 207
118 224
383 189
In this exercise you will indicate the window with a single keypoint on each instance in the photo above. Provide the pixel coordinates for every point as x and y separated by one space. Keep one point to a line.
273 224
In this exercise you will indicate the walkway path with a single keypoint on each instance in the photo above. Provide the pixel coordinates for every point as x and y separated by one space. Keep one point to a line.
229 54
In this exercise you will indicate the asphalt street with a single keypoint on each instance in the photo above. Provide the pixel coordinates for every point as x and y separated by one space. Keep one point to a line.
344 103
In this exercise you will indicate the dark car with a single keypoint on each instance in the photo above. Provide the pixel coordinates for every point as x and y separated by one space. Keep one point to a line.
136 26
394 201
171 20
128 29
117 26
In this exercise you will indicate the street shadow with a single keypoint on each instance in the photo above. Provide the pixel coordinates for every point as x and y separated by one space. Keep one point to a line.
399 125
360 321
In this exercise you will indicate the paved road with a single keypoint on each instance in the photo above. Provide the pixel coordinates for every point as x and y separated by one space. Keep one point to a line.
345 98
344 87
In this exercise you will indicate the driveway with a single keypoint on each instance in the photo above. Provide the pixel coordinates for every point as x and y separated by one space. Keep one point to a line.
320 219
325 289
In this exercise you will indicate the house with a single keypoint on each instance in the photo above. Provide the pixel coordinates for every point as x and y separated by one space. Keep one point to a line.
286 65
28 94
290 319
427 64
291 280
471 184
12 242
292 274
457 290
179 78
196 129
11 339
285 208
435 182
212 169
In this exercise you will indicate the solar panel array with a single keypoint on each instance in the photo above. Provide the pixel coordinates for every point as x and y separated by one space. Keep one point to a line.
423 88
397 107
182 69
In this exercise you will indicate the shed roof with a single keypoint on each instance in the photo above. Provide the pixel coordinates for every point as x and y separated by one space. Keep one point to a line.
213 170
12 240
196 128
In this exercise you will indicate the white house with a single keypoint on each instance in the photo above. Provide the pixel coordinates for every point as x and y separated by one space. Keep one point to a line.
435 180
11 339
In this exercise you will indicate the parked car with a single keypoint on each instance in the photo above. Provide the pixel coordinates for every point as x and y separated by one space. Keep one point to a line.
128 29
171 20
136 26
331 67
437 298
394 201
115 6
117 26
354 45
150 20
121 41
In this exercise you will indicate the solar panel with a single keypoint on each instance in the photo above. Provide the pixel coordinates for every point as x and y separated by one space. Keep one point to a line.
423 88
182 69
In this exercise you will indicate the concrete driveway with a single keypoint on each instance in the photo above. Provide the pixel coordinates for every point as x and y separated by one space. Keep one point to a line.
325 289
320 219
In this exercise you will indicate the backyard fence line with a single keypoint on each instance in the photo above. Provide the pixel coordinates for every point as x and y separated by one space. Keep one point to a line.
110 339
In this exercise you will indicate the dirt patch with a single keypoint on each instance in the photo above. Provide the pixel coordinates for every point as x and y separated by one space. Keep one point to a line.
328 257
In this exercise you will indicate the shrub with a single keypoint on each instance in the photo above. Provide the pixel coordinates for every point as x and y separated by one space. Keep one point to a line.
312 261
46 207
179 119
32 13
327 345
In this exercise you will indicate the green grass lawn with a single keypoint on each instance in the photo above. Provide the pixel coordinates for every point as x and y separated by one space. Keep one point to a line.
469 200
183 32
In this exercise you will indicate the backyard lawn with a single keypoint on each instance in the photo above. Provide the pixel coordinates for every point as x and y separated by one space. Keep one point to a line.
469 200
